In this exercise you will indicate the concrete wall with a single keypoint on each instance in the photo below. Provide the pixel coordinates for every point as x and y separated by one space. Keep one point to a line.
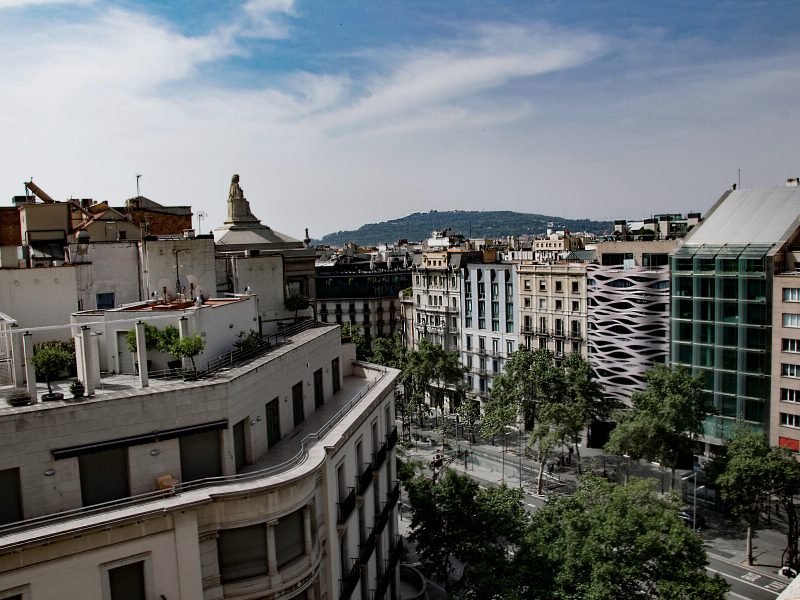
195 266
44 221
111 267
29 434
41 296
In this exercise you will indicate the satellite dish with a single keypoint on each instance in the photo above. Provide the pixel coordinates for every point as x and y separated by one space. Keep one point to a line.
165 283
202 292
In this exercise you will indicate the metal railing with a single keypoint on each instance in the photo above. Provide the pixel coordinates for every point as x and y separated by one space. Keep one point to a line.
378 457
391 440
346 506
305 444
364 480
350 580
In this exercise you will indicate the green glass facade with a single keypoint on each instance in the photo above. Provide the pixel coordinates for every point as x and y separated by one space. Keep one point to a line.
721 304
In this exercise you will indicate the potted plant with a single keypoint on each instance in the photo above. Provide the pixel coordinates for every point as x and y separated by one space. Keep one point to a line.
19 397
188 347
49 360
77 389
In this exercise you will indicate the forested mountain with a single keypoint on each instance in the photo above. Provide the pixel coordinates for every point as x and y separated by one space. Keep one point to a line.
490 224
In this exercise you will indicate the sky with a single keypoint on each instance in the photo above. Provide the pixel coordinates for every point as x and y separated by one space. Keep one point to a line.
337 113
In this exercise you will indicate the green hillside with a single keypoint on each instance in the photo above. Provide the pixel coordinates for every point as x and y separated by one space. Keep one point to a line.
491 224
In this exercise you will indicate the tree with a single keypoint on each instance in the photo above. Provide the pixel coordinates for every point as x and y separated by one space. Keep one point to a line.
752 472
389 352
188 347
665 419
296 302
614 542
49 360
152 338
353 331
168 337
456 520
583 402
469 411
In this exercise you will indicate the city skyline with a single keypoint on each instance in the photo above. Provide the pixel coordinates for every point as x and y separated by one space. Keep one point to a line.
336 116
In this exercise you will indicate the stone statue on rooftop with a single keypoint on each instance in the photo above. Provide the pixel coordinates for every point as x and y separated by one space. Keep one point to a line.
236 191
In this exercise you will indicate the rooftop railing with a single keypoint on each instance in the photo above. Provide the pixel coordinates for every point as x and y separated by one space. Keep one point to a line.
306 443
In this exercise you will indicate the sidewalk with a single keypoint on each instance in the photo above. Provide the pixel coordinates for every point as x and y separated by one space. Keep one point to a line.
493 464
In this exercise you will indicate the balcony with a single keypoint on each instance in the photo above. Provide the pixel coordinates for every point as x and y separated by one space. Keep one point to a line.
379 457
541 330
366 548
393 496
558 333
364 480
346 506
350 581
575 335
391 566
391 439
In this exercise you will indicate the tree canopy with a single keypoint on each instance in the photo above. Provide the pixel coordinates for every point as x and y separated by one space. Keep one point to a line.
49 360
664 420
605 542
751 471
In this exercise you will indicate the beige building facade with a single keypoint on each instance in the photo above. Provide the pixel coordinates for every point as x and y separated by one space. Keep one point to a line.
271 479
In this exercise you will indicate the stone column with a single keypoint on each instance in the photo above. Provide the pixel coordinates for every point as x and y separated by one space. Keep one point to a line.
307 528
141 353
86 349
183 329
272 558
18 354
30 370
187 549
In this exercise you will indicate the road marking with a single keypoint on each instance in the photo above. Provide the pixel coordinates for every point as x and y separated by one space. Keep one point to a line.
738 565
734 578
531 505
750 576
778 586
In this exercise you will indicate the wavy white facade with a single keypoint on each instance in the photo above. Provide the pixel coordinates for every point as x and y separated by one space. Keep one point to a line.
628 325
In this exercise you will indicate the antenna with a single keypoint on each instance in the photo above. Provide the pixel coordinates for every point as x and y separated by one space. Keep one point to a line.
201 216
740 178
138 175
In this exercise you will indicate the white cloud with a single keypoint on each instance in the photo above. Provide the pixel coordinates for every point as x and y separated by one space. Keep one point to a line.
266 18
26 3
478 121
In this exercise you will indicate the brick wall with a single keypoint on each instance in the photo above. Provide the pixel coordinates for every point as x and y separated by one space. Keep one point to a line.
9 226
162 223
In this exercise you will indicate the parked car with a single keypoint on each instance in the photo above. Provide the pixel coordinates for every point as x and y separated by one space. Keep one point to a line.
686 515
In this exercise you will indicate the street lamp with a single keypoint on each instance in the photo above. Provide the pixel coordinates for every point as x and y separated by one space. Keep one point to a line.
693 476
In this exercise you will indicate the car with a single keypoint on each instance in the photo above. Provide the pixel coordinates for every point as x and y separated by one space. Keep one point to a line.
687 516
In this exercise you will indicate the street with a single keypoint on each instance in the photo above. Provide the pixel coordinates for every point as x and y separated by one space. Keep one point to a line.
723 539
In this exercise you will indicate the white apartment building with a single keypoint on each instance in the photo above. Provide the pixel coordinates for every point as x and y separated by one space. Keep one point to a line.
271 478
489 335
553 307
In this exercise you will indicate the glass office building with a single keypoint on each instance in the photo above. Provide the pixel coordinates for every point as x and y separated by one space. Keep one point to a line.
720 328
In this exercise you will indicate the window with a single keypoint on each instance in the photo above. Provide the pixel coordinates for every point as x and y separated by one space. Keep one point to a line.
576 305
559 304
128 579
468 289
790 370
319 393
542 285
790 345
526 285
297 403
558 287
495 365
791 294
790 320
469 361
10 496
788 395
242 552
509 347
575 287
527 301
469 342
482 343
495 324
495 345
273 422
482 364
289 538
200 456
337 384
104 475
105 300
789 420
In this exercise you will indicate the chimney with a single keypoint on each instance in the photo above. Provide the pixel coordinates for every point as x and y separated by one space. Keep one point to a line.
793 182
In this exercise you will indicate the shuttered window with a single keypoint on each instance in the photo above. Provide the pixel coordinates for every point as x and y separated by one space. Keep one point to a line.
200 456
289 537
127 582
10 496
242 552
104 476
